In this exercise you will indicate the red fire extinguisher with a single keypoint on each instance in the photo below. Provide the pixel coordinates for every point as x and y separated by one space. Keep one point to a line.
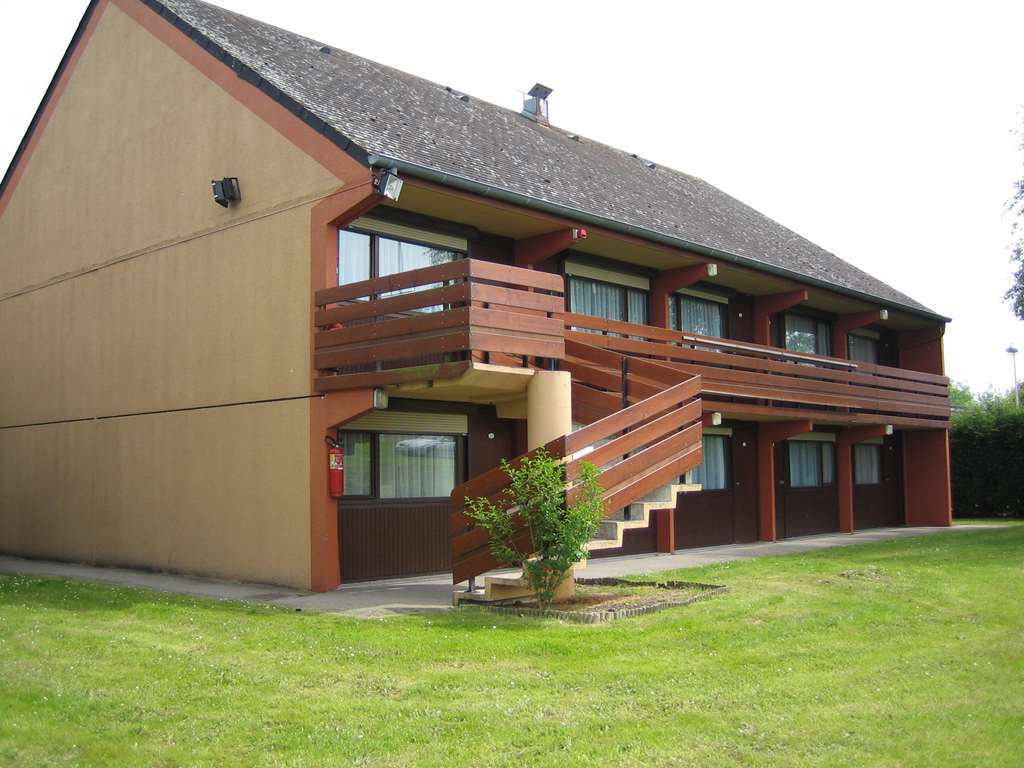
335 469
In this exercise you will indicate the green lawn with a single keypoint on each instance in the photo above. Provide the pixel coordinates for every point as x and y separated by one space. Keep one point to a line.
914 657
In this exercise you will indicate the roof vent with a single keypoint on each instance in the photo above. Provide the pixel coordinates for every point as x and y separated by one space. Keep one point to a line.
535 106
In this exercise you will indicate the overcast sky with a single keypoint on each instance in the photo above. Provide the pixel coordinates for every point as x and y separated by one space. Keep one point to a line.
881 131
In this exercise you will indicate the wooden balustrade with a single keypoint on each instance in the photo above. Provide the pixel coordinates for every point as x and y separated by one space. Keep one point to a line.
756 379
639 449
432 322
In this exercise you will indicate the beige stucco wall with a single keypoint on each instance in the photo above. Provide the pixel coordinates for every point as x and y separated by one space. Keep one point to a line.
214 491
124 289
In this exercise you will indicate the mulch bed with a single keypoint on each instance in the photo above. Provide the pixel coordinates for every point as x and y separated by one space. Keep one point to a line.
600 601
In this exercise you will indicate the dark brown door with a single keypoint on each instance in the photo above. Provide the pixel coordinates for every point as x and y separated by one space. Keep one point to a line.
744 482
881 505
728 515
807 510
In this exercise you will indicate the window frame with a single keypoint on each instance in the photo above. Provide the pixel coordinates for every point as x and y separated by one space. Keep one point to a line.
821 465
374 495
375 250
625 289
878 449
677 306
874 339
818 321
727 481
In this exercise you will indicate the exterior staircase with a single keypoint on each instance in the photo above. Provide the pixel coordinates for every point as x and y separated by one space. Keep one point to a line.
642 428
637 515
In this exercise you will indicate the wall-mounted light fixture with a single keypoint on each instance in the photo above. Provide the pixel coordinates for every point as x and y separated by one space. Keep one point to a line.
388 184
226 191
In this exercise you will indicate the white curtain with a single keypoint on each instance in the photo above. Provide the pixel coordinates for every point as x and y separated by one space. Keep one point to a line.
394 256
416 466
867 464
353 257
828 463
711 472
863 349
804 464
592 297
636 306
357 463
700 316
805 334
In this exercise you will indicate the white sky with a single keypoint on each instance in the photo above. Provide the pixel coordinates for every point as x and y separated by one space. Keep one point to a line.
880 131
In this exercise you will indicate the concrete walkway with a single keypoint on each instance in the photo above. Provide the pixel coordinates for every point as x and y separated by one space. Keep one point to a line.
393 597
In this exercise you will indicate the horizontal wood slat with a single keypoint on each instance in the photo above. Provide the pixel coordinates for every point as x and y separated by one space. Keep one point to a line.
468 310
749 371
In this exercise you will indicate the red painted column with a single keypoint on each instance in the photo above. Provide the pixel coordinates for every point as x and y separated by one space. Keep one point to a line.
771 304
926 480
665 530
768 434
670 280
846 323
844 469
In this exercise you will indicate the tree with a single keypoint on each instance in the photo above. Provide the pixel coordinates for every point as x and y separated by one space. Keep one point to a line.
1015 209
559 533
960 396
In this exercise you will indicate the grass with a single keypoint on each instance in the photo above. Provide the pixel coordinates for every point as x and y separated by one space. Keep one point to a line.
903 653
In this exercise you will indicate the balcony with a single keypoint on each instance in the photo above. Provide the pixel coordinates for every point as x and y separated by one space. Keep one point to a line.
436 323
464 329
746 380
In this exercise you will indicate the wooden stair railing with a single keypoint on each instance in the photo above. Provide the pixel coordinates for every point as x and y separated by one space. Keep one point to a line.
639 448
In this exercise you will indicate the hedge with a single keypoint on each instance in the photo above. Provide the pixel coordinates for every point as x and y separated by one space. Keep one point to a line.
987 455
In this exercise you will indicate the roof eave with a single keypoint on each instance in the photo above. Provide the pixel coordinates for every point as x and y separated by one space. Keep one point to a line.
584 217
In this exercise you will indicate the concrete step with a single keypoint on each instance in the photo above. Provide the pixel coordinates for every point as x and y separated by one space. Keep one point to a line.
612 529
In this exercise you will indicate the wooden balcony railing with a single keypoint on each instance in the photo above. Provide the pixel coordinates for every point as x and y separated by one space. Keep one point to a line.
430 323
751 378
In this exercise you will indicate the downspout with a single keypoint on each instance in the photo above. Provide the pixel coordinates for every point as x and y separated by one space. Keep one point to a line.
568 212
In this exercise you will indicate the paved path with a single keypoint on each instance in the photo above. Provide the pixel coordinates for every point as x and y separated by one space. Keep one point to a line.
434 593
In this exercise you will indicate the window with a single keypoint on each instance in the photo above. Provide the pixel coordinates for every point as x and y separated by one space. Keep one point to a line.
711 473
867 464
696 315
416 466
399 466
811 463
805 334
357 463
612 302
364 256
863 349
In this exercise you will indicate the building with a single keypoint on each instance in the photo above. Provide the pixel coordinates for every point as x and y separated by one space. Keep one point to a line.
436 283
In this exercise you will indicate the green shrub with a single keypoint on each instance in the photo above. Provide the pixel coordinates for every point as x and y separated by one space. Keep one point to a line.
559 533
986 442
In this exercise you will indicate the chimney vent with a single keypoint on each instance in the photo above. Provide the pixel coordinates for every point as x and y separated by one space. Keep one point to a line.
536 105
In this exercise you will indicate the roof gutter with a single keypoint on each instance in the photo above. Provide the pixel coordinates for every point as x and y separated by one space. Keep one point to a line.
564 211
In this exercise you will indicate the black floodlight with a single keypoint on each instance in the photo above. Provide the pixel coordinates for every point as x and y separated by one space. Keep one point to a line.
226 191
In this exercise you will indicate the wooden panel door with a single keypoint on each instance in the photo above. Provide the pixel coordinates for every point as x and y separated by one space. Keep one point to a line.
802 511
881 506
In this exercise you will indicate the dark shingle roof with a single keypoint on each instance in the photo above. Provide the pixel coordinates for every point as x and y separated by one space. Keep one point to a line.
369 108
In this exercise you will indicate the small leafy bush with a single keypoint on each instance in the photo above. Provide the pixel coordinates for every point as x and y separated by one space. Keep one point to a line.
559 533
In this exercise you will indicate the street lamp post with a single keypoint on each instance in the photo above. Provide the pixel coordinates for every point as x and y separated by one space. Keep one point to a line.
1012 352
